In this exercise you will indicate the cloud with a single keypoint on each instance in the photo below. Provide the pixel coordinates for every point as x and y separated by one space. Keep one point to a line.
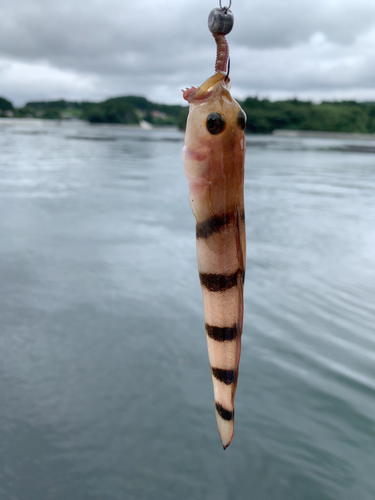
317 69
35 81
96 49
275 24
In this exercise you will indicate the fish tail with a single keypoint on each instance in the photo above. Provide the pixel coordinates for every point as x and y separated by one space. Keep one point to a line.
223 310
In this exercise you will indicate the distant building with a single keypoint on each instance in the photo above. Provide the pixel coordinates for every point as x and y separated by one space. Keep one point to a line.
159 114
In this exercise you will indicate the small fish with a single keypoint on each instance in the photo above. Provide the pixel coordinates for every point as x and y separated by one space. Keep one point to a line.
213 156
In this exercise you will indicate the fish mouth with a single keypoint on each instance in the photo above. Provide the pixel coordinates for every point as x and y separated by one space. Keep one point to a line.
205 90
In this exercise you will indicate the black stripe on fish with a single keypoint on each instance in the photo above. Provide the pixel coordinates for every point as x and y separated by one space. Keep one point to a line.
222 334
219 282
228 377
214 224
224 414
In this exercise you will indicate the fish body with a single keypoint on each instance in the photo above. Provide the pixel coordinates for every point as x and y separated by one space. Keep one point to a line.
213 156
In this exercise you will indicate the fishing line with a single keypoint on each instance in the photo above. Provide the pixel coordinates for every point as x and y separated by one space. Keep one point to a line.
225 8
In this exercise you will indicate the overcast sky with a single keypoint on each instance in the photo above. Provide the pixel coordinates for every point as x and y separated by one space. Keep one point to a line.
94 49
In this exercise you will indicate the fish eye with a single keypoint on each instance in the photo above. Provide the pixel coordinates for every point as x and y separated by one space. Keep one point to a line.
215 123
241 119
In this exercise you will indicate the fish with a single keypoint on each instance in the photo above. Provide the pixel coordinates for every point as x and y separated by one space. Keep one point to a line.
214 157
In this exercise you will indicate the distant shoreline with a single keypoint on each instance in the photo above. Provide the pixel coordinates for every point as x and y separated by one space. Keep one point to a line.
323 135
333 119
43 121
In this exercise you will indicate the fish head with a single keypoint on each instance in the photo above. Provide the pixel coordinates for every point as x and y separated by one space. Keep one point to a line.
213 97
214 140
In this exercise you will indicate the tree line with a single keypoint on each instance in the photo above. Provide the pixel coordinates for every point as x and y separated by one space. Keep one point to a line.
263 116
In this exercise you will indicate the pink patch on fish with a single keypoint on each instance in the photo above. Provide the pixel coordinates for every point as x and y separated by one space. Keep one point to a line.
196 187
195 155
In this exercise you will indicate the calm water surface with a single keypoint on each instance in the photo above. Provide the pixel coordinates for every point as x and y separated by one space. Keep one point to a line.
105 386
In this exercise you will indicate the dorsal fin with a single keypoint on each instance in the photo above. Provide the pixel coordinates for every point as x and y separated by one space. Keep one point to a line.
237 231
240 280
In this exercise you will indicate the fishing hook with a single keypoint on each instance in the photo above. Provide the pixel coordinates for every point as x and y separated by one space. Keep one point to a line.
227 75
225 8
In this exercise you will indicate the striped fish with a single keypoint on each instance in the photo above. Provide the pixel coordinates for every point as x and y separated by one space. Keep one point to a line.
213 156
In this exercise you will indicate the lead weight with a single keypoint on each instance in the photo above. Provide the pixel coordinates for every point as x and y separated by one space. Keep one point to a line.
220 21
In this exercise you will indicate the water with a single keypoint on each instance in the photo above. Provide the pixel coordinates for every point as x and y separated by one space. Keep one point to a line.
105 384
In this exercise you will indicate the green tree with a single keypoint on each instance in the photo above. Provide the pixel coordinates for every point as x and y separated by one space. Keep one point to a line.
5 105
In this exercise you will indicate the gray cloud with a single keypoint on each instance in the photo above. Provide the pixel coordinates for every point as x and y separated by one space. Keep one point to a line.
283 24
95 49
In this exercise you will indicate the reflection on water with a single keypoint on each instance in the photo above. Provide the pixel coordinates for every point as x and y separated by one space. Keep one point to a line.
105 384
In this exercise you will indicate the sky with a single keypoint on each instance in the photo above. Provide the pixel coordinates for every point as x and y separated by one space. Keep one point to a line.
95 49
